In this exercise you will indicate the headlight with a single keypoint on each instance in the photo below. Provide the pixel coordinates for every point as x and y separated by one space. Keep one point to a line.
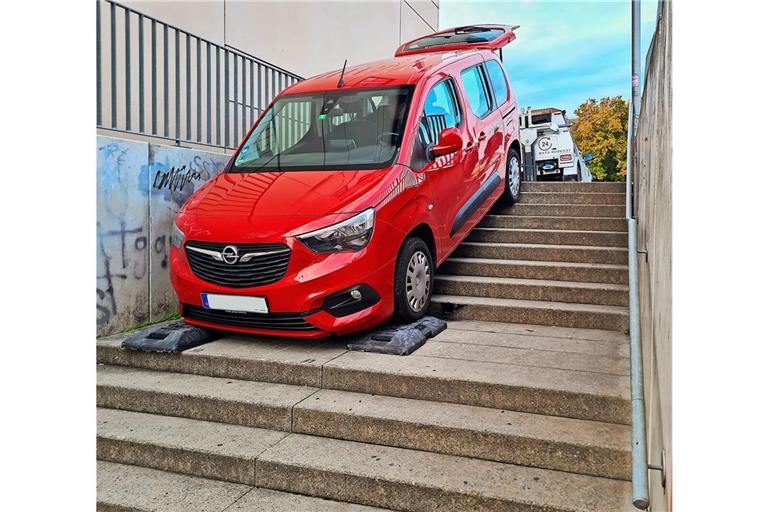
350 235
177 238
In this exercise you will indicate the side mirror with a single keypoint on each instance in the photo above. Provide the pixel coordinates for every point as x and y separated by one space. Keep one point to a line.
588 157
449 142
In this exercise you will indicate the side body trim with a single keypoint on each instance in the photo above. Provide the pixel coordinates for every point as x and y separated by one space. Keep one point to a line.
475 202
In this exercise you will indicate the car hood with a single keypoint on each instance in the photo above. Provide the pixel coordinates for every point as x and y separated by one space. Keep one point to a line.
271 205
302 193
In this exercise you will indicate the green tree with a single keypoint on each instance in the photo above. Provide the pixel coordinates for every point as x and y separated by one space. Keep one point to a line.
601 129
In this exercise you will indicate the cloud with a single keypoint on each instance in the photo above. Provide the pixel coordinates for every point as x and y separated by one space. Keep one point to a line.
565 52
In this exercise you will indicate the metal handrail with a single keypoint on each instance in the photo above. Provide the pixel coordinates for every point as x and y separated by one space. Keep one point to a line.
230 89
640 495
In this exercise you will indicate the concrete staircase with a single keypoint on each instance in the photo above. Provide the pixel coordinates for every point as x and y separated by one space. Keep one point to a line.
558 257
499 415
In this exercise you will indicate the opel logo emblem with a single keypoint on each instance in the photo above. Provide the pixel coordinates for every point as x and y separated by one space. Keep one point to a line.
229 254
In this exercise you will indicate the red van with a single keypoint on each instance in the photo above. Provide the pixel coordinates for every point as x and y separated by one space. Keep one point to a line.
350 189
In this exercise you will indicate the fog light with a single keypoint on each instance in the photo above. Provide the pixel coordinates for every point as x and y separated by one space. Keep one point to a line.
356 294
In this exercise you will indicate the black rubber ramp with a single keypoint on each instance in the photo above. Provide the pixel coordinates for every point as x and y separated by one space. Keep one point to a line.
174 337
399 340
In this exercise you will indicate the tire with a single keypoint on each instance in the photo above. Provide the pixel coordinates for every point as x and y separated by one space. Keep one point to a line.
414 280
513 178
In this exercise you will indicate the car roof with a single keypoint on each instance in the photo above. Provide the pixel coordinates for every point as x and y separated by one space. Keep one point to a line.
408 69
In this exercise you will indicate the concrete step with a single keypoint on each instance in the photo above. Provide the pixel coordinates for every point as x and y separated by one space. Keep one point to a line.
463 350
568 223
549 237
550 391
542 252
523 269
599 198
561 210
122 488
533 289
590 342
576 446
239 402
532 376
350 471
548 442
593 387
586 316
560 186
258 358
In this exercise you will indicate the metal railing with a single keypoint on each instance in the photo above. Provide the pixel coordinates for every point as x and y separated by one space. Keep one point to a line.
155 79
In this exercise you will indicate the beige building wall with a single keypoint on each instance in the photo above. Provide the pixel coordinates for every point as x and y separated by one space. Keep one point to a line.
654 215
303 38
306 38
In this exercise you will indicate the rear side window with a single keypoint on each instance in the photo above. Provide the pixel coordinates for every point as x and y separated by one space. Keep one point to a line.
441 111
474 86
498 83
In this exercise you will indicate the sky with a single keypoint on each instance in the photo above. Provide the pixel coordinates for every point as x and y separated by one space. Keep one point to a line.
565 52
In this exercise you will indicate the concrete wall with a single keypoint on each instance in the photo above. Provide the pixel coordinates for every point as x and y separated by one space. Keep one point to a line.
140 188
306 38
653 190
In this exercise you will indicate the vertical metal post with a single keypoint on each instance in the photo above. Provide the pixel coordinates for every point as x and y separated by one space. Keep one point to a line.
165 79
199 94
98 63
141 73
242 108
127 69
177 81
208 91
259 89
226 98
154 77
218 96
251 100
188 76
234 105
113 63
640 497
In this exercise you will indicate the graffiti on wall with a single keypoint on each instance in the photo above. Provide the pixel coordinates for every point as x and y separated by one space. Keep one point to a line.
140 188
176 173
122 265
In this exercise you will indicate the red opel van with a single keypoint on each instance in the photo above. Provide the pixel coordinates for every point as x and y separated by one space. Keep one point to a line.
350 189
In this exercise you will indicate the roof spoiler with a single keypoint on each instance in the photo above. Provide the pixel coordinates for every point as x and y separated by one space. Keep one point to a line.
489 37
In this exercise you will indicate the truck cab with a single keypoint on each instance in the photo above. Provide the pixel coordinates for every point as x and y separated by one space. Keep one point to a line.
554 153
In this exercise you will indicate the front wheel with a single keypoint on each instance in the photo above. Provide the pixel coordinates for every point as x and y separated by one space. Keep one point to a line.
413 280
514 178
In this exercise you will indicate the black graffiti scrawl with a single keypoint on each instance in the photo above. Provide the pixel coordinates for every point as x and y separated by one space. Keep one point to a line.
179 182
174 174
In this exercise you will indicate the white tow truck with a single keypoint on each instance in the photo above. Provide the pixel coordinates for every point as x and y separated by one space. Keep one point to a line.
550 152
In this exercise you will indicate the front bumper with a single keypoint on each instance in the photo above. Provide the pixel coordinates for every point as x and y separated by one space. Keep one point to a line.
300 303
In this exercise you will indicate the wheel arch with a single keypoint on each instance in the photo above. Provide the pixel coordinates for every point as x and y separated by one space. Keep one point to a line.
424 232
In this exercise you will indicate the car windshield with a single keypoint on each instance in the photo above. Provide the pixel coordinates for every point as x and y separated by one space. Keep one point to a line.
339 129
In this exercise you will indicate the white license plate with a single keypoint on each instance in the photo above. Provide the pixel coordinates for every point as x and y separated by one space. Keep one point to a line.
241 303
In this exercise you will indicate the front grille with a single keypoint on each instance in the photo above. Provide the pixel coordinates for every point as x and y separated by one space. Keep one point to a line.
271 321
257 271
